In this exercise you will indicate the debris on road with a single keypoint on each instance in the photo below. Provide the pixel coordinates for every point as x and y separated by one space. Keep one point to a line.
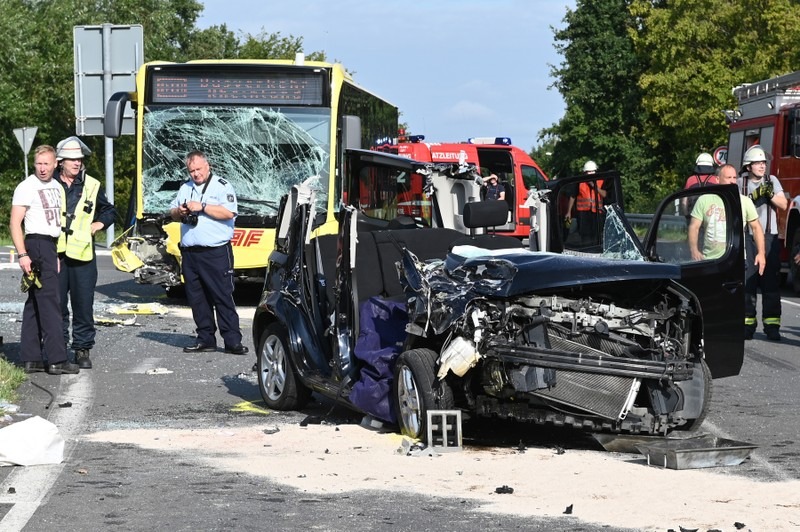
111 322
158 371
136 308
33 441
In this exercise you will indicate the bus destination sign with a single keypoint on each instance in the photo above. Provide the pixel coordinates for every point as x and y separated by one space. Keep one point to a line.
257 87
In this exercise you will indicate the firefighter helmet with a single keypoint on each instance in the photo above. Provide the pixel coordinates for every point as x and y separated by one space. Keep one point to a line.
704 159
72 148
754 154
590 166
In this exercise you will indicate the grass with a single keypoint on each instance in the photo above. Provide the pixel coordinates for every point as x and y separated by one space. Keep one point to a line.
11 377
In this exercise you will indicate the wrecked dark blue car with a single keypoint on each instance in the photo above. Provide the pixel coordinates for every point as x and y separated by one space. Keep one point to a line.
398 317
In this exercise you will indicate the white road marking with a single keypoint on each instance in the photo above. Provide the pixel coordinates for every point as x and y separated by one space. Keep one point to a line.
790 302
33 483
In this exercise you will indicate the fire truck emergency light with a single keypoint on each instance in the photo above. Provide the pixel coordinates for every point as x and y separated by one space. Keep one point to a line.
506 141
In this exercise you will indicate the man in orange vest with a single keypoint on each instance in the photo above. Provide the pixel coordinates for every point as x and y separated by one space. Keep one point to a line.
588 201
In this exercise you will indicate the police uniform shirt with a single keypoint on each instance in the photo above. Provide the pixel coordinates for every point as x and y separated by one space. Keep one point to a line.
209 232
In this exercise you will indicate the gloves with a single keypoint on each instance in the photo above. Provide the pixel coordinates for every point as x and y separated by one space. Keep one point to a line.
766 190
31 279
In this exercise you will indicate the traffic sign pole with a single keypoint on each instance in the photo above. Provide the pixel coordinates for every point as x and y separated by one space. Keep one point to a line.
25 136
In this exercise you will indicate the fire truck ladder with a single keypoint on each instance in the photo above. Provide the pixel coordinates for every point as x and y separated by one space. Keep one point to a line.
786 84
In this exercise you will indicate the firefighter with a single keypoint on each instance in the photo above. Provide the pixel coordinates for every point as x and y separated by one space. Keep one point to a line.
704 174
767 194
588 199
87 212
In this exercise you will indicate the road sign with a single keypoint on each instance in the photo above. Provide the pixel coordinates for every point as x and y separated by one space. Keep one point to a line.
25 136
106 60
720 155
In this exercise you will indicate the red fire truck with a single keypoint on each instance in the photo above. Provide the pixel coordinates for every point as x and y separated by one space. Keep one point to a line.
768 114
491 155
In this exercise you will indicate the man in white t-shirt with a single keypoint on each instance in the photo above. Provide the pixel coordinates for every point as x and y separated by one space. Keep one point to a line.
35 226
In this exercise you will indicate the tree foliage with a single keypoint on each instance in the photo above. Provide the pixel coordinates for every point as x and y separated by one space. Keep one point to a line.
598 80
645 82
37 78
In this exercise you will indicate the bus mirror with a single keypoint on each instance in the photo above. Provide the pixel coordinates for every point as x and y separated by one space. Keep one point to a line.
115 109
351 132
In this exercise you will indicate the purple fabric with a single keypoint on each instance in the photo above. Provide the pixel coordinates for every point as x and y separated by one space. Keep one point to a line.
380 339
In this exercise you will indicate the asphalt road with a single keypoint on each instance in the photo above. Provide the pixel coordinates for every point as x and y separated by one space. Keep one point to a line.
134 489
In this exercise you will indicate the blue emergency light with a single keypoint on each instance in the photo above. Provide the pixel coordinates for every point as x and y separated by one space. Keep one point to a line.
505 141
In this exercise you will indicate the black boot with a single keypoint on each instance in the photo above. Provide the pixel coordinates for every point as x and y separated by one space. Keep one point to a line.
773 333
82 358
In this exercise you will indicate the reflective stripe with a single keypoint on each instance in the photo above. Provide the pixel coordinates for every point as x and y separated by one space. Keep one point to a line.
588 199
772 321
749 321
79 243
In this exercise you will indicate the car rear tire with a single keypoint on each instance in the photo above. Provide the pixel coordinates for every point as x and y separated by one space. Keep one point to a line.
416 390
279 385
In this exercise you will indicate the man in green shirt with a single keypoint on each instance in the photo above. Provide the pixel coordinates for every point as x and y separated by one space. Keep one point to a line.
709 213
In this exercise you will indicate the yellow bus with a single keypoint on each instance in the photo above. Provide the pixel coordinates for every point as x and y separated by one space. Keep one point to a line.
265 125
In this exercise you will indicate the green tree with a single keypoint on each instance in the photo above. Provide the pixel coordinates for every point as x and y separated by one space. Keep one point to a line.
696 52
36 70
598 79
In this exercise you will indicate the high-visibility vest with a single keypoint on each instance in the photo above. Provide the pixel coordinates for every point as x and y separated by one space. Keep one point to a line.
589 199
76 239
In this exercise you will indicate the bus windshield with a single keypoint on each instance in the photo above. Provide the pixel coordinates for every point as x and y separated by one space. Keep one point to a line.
262 151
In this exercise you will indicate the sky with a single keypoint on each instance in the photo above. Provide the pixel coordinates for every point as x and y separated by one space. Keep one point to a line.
454 68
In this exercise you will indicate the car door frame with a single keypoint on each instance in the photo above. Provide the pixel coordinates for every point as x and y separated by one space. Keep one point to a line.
718 284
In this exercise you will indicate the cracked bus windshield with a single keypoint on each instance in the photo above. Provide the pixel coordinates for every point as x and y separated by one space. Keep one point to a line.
263 152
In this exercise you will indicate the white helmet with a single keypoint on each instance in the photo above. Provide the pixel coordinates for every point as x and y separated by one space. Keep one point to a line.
704 159
590 166
754 154
72 148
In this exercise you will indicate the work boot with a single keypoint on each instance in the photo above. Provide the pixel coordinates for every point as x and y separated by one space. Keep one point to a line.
33 367
773 334
749 332
63 367
82 358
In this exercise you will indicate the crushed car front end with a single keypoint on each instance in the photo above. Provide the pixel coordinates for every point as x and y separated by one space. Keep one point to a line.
591 343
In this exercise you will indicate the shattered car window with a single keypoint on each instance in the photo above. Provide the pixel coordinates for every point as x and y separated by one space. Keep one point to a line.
618 243
263 152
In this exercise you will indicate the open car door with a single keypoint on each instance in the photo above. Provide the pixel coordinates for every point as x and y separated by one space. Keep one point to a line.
578 212
716 278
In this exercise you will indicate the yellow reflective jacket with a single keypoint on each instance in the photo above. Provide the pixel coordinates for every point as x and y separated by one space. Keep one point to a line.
76 234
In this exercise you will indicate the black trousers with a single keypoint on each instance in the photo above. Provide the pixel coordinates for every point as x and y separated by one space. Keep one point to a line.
769 284
41 337
208 275
78 280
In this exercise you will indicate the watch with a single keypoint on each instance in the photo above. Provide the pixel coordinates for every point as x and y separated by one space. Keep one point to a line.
203 209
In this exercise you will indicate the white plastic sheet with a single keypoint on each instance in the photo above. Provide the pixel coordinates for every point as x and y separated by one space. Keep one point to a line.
34 441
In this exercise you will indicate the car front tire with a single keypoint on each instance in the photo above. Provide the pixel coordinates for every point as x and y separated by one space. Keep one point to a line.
416 390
